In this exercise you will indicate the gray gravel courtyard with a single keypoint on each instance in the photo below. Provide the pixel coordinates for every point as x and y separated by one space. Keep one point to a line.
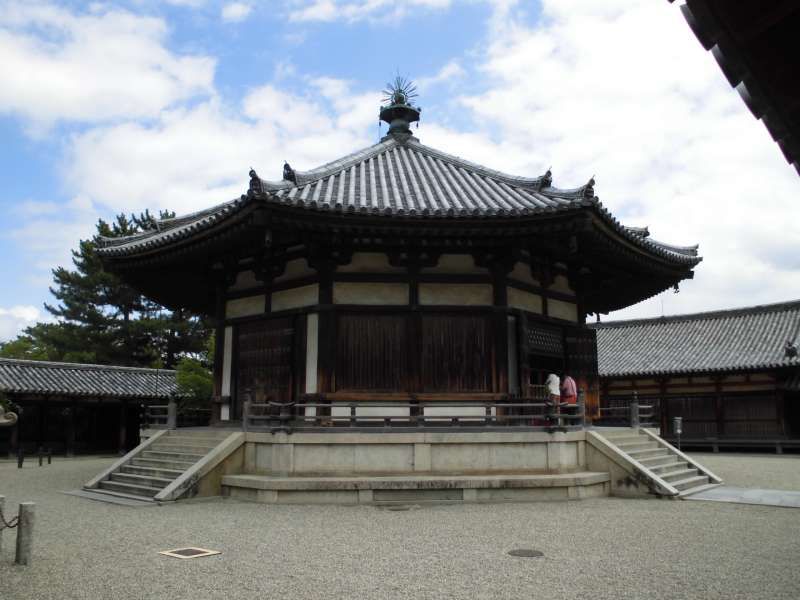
603 548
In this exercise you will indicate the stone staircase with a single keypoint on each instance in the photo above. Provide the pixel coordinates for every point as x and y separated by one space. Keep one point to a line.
156 464
667 471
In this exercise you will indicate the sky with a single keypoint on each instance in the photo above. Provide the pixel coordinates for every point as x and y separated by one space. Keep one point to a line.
112 107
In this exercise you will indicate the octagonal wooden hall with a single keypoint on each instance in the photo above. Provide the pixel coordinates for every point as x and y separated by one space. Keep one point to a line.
398 274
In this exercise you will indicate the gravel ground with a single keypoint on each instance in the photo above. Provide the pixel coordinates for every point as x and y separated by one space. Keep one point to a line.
769 471
602 548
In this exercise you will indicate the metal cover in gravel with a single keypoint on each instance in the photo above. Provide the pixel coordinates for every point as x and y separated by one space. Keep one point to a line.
189 552
526 553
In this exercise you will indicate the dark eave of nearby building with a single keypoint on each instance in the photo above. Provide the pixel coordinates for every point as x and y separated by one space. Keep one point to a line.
757 46
742 339
45 378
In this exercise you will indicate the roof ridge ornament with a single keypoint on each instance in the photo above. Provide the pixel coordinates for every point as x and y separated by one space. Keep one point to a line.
256 185
289 173
588 189
546 180
399 112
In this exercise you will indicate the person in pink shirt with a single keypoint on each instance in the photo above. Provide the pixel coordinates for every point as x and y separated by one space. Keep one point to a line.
569 390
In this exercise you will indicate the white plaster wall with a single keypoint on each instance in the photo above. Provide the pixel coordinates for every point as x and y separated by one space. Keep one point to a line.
295 269
522 272
455 263
245 280
561 284
376 294
513 372
339 410
306 295
312 349
245 307
558 309
524 300
456 294
227 355
369 262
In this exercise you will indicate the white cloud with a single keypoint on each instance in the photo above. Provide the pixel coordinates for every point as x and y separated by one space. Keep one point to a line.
358 10
63 65
452 71
234 12
623 90
16 318
195 158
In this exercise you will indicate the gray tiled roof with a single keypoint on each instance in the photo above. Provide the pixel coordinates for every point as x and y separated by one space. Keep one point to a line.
727 340
41 377
400 177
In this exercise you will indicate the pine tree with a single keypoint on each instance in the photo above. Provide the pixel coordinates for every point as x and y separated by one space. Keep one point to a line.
103 320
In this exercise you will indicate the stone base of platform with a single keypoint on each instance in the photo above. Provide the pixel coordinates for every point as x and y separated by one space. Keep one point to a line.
415 489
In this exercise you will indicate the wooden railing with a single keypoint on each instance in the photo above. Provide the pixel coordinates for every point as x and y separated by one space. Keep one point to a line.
171 416
441 415
627 412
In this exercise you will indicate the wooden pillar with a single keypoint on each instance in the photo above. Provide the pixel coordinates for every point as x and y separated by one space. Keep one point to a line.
70 429
42 424
500 267
719 408
123 427
13 444
219 350
321 259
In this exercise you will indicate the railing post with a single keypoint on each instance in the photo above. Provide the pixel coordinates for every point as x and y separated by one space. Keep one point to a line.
582 408
172 414
635 411
246 414
2 506
27 511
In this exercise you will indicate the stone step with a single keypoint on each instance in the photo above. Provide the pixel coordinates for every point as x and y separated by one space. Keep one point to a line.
634 446
154 482
649 453
160 463
698 489
121 495
207 434
669 467
151 471
130 488
689 482
191 439
658 461
628 439
615 434
678 475
181 456
190 448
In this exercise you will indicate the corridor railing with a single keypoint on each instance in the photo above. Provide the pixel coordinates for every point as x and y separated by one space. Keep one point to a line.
627 412
318 414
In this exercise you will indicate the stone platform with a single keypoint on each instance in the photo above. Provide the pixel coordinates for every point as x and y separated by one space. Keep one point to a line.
416 488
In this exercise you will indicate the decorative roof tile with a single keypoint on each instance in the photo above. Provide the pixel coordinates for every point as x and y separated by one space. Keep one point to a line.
727 340
71 379
402 178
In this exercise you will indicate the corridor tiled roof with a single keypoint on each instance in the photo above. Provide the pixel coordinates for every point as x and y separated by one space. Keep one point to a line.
402 178
70 379
727 340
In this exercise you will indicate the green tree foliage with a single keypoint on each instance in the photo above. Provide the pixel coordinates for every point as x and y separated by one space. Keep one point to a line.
194 376
101 319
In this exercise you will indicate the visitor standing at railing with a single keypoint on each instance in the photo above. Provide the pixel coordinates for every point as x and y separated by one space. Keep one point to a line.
553 384
569 390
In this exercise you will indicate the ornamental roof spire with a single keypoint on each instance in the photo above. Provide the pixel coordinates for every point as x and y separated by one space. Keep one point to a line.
398 110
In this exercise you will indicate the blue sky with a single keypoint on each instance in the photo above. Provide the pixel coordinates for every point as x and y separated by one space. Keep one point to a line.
122 106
